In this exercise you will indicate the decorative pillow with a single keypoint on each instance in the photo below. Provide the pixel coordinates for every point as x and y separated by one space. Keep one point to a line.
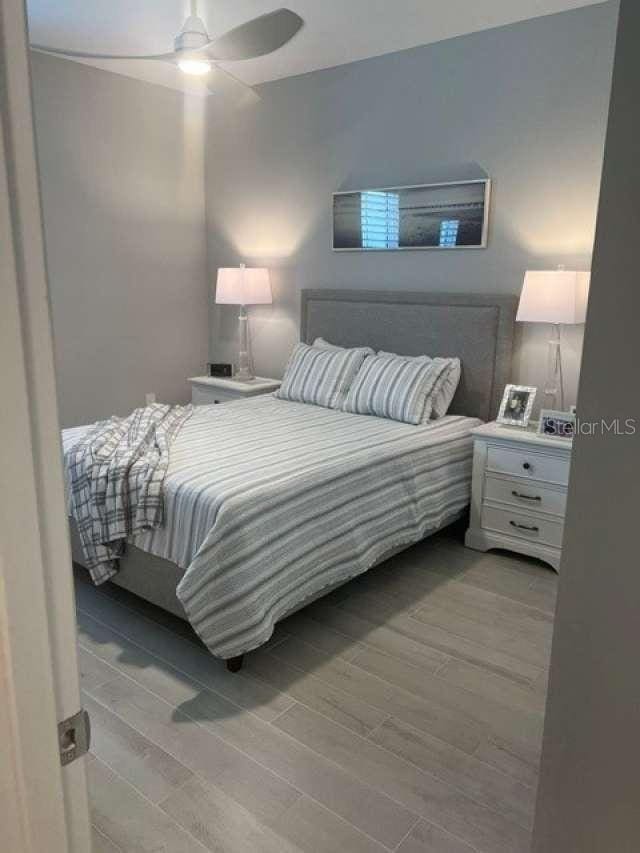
395 388
446 385
321 343
318 376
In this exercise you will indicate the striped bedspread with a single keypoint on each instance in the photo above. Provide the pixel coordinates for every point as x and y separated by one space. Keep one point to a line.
268 502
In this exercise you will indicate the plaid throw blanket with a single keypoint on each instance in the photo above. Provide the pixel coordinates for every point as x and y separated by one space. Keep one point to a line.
116 475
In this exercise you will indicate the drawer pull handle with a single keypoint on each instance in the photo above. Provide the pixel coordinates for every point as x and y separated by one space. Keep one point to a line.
526 466
532 529
526 497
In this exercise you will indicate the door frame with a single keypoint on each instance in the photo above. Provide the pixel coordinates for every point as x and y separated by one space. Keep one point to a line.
39 682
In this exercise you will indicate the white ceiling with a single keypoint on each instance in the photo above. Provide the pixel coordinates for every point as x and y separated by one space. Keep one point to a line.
335 32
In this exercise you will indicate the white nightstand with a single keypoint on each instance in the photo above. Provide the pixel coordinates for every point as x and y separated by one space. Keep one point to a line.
519 491
216 389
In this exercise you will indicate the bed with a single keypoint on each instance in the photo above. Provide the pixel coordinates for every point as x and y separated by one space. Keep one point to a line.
271 504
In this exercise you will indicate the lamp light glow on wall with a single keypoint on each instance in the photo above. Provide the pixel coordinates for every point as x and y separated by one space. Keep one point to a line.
243 286
558 297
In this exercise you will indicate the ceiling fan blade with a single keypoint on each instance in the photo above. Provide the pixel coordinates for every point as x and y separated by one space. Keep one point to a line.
79 54
255 38
222 83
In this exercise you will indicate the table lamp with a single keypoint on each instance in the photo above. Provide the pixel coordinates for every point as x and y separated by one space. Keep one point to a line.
558 297
243 286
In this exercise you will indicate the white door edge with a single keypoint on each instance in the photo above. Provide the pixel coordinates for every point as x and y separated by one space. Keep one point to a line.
42 803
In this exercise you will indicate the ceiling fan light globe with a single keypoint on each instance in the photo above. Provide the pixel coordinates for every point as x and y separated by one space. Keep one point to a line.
192 36
194 67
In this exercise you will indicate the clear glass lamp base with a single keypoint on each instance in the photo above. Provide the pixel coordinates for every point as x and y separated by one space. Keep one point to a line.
243 373
554 382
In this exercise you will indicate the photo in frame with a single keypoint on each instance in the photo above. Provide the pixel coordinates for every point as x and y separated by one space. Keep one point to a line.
517 405
554 424
443 216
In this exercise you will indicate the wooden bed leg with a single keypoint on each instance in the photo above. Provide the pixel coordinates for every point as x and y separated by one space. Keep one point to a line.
235 664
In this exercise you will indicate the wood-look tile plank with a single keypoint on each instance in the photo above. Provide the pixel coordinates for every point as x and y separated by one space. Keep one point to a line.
147 767
425 794
428 703
476 778
93 671
252 785
510 721
101 844
516 646
427 838
543 594
310 772
506 575
474 603
519 761
129 820
496 573
323 637
509 575
498 622
526 655
445 721
480 680
342 707
541 685
402 587
281 746
279 634
220 823
317 830
449 551
184 655
422 641
375 629
249 737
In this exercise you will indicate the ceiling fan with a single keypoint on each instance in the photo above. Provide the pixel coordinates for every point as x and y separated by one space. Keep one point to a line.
195 53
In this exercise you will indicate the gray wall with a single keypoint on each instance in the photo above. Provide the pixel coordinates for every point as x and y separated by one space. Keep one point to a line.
525 103
122 177
589 797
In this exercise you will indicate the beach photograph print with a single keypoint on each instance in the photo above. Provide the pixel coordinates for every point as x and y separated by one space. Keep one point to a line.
432 216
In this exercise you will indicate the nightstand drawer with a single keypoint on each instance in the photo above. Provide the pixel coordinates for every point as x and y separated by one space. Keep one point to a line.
529 526
203 396
526 496
537 466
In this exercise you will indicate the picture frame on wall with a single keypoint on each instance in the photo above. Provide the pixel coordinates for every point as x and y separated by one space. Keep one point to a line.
517 405
445 216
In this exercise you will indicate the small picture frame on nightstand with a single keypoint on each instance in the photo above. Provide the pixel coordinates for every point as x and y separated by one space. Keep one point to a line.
516 406
553 424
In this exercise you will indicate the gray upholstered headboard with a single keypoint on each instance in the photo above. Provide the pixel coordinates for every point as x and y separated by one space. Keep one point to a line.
476 328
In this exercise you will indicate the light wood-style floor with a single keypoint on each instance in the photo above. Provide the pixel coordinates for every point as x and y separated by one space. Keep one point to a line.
403 712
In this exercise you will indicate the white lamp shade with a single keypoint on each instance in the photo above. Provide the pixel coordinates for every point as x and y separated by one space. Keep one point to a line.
554 296
243 286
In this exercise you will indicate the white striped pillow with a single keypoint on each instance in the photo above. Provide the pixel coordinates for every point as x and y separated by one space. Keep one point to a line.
445 388
394 388
321 377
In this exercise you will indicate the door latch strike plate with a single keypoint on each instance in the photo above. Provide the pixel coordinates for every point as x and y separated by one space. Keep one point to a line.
74 737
